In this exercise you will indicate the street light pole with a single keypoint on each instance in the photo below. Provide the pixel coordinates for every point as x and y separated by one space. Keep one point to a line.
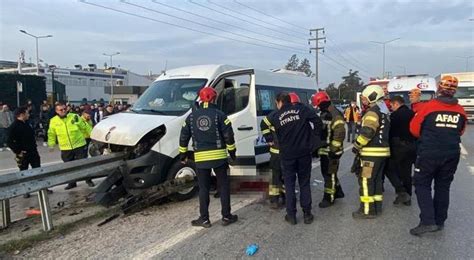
111 76
467 60
383 57
37 48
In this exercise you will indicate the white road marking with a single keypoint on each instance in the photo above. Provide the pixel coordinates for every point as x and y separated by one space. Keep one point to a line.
162 246
463 149
471 169
10 170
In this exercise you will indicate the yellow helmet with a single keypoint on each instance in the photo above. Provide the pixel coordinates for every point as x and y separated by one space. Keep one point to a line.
373 93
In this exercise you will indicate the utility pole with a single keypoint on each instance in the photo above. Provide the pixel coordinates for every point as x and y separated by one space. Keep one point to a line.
467 60
316 39
383 55
37 51
111 76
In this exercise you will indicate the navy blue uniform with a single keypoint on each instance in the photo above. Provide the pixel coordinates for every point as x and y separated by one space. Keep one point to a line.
213 137
438 125
297 140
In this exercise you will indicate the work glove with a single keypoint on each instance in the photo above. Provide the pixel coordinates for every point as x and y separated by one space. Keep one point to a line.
233 157
183 158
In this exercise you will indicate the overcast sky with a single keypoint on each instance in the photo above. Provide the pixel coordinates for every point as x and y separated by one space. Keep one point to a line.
433 34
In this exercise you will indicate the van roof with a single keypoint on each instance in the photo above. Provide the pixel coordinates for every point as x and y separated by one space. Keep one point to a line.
408 83
263 77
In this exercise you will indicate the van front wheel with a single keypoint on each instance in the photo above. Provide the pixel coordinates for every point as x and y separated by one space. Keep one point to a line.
180 170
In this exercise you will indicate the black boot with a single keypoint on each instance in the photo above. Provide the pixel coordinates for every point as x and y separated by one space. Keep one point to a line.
326 202
274 202
421 229
360 215
71 185
339 193
290 219
200 222
308 217
402 197
282 201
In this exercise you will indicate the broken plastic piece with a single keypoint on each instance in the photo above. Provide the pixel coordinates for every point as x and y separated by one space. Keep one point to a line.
251 249
33 212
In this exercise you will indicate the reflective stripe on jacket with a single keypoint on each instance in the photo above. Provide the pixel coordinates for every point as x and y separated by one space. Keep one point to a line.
374 134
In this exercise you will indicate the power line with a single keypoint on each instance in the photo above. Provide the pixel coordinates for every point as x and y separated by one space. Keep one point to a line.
347 60
330 38
271 16
240 19
316 40
227 24
182 27
342 65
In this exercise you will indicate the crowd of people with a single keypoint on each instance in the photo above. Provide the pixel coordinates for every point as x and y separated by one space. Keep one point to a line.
392 138
67 125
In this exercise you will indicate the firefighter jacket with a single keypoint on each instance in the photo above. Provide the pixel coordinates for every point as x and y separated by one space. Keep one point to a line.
212 136
373 140
69 132
269 133
355 114
333 133
296 136
439 126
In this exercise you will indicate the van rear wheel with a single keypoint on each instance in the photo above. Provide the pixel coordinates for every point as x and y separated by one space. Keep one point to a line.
180 170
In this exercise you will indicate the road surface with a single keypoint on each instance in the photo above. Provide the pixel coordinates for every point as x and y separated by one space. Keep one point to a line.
165 232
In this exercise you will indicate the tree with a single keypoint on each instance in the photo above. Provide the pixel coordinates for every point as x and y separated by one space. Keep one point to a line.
295 65
305 67
332 90
350 85
292 63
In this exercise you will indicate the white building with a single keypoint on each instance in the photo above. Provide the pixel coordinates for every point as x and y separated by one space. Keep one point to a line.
89 82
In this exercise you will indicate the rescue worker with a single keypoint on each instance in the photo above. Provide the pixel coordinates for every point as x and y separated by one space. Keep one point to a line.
69 129
403 151
276 191
332 139
213 137
297 140
352 117
372 145
438 126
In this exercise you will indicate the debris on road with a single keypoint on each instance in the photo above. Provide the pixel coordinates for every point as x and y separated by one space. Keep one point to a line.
107 220
33 212
251 249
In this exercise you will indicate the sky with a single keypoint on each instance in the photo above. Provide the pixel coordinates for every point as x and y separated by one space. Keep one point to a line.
260 34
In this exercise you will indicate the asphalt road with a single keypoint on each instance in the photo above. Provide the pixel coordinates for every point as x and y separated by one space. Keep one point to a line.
164 231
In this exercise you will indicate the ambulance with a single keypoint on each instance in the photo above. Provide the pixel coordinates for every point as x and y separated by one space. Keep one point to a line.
401 86
149 131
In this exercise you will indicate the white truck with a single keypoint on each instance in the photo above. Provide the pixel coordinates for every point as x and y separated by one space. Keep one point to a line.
150 131
465 91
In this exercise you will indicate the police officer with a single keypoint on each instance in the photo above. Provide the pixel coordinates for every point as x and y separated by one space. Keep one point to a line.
213 137
372 145
438 125
297 139
331 151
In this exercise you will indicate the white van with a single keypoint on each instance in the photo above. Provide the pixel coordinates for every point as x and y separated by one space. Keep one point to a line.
401 86
150 130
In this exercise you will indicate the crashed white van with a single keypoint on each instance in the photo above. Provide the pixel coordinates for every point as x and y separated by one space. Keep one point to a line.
149 132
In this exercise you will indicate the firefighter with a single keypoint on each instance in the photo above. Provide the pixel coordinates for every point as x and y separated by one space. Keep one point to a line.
331 151
213 138
276 190
438 126
372 145
297 140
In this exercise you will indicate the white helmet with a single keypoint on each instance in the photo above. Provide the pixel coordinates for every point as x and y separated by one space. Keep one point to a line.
373 93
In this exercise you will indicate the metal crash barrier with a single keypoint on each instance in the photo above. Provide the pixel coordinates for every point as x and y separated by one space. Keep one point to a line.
40 179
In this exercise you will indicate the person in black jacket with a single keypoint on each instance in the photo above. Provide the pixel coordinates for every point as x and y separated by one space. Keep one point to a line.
298 130
213 138
21 141
403 151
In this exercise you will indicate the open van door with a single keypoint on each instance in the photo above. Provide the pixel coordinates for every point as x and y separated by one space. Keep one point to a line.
236 98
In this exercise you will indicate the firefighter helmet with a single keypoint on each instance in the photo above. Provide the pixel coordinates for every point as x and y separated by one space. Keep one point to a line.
320 97
373 93
207 94
294 97
448 82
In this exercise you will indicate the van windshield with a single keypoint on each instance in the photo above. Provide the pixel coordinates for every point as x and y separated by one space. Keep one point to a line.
425 95
465 92
172 97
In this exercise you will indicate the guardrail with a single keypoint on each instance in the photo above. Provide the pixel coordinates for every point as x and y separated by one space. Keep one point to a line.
40 179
